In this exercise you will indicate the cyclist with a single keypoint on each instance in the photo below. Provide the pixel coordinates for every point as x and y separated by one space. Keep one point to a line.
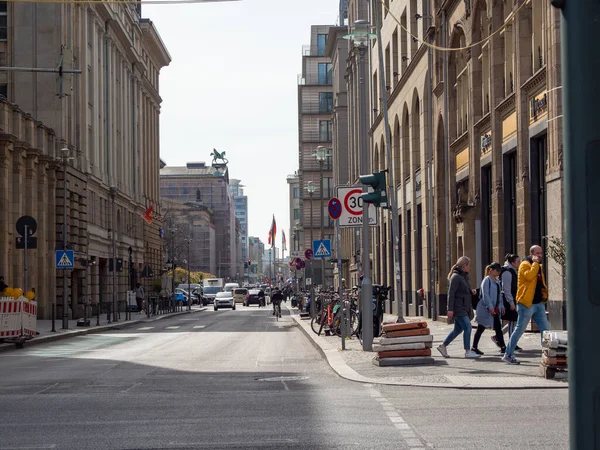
276 299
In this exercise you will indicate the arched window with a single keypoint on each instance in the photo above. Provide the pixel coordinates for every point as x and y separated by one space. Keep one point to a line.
458 78
538 41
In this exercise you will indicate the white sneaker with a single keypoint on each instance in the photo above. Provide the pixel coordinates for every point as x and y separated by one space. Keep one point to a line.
471 354
443 351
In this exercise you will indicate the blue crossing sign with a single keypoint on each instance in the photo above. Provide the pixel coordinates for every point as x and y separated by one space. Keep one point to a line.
322 248
65 259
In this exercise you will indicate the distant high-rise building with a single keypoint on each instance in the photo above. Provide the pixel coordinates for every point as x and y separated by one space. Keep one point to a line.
241 212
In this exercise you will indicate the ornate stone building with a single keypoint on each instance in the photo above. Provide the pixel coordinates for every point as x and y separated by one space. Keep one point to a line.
108 117
476 139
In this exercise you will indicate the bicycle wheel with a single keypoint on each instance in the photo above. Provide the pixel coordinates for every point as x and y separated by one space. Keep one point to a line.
353 323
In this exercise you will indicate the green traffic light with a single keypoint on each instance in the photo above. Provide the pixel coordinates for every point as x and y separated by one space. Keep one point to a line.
377 182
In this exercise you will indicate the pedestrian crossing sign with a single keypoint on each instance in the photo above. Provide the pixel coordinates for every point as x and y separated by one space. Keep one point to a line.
65 259
322 248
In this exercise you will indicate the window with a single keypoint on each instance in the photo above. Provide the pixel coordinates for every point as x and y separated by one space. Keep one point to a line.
3 21
321 44
297 214
539 31
296 192
325 102
325 73
327 187
4 90
324 130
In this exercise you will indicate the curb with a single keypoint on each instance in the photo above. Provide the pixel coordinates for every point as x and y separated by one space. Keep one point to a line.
336 361
96 329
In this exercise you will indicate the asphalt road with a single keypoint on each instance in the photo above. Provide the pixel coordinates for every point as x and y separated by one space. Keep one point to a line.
241 380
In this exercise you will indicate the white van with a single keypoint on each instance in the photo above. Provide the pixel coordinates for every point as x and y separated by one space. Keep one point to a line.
230 287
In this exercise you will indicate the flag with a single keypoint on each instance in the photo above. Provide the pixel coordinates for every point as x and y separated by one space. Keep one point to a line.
283 241
273 232
148 214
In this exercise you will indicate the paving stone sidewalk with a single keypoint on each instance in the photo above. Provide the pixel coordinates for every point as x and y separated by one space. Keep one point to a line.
487 372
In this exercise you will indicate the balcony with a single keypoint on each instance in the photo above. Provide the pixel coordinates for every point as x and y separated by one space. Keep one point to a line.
315 80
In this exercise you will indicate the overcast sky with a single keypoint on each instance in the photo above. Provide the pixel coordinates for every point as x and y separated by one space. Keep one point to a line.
232 85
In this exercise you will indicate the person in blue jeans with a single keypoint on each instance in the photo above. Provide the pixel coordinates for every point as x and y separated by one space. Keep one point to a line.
532 294
459 307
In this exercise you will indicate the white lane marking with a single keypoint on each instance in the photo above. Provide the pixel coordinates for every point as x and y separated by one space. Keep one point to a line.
134 385
408 434
199 326
145 328
174 327
45 389
29 448
285 386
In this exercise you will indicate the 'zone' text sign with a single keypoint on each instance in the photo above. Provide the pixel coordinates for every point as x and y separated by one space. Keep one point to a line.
352 206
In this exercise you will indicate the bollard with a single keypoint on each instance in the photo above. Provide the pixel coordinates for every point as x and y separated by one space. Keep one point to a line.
98 314
53 317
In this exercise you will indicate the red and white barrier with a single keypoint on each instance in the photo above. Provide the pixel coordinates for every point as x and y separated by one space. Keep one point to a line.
17 317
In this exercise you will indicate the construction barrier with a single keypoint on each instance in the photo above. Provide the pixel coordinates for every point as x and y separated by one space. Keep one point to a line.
17 317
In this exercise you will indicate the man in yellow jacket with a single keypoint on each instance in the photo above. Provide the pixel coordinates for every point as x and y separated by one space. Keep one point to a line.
532 294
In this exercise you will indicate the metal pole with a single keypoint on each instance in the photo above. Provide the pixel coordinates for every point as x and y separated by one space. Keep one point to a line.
366 286
391 194
345 312
65 318
581 63
189 308
313 305
113 193
446 139
36 69
25 260
321 162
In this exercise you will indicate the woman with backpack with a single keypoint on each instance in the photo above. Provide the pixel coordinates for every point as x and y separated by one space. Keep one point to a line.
490 307
508 279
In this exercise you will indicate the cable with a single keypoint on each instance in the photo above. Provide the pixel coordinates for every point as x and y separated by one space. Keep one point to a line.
449 49
123 2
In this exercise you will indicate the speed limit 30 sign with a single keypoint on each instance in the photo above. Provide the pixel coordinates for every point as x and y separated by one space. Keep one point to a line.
352 206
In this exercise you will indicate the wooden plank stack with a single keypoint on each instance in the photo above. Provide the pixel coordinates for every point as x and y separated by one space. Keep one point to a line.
554 353
403 344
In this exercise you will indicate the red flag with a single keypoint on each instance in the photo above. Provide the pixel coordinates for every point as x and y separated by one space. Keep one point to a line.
148 214
273 232
283 241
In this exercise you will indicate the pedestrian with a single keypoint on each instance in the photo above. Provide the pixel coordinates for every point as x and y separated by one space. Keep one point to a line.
490 307
460 307
3 285
508 279
139 296
532 293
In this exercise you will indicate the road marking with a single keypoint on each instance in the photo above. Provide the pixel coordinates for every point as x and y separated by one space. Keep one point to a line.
45 389
29 448
174 327
134 385
199 326
145 328
408 434
285 386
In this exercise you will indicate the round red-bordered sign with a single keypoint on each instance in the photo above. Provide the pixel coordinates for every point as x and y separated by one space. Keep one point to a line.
349 195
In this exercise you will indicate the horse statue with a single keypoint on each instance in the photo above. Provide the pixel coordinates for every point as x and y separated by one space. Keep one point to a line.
218 156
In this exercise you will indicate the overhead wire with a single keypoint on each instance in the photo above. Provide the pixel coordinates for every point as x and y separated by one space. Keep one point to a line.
509 19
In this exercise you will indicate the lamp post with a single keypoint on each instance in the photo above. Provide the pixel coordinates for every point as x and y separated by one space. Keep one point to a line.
113 195
322 154
189 302
310 188
64 156
360 36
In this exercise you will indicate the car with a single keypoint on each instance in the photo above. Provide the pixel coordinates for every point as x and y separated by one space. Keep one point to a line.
230 287
181 295
240 295
209 293
253 298
224 299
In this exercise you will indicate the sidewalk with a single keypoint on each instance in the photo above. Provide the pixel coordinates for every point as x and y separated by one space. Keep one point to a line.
44 327
487 372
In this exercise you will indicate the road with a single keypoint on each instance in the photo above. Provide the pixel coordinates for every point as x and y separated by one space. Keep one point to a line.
242 380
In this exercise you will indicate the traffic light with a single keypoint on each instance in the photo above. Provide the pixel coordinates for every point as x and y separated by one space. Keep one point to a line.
377 181
249 263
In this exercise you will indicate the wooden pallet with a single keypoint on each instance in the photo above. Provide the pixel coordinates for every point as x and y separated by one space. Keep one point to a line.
549 371
412 361
428 339
404 333
403 326
408 346
404 353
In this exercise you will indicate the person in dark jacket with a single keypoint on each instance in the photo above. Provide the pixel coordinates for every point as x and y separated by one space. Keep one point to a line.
490 307
508 278
459 306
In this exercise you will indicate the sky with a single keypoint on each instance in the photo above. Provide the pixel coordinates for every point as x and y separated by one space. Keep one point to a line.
232 85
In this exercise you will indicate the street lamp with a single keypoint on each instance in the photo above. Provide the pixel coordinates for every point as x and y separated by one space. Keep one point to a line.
113 195
322 154
64 156
189 302
311 188
360 36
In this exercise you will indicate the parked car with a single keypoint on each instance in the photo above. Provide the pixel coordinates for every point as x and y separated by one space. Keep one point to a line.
240 295
224 299
253 298
181 295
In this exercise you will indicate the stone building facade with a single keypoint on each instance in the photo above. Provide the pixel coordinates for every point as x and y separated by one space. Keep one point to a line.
476 140
108 117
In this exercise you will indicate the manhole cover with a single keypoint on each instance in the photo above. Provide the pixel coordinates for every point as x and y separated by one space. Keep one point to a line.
297 378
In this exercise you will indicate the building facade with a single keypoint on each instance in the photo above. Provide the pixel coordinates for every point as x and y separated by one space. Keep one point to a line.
256 249
241 212
207 186
476 140
294 200
107 117
315 106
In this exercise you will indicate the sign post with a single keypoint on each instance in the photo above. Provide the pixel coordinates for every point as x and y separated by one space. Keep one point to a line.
26 227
